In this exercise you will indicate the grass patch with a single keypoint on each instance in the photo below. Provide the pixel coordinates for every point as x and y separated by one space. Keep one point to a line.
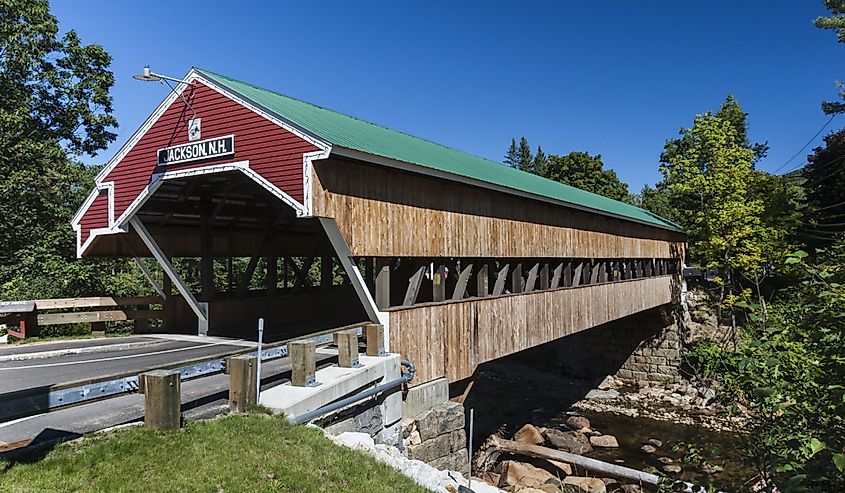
241 453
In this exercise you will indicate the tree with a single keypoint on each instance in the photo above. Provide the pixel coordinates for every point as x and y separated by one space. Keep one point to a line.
512 155
836 23
581 170
539 164
656 200
708 172
55 105
824 185
525 160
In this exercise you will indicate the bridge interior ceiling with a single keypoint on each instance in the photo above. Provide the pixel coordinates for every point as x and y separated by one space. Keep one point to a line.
221 215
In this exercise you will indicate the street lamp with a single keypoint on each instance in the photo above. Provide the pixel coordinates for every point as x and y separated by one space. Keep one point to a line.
149 76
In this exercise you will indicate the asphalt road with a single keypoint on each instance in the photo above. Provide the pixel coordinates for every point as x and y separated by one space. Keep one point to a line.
105 362
201 398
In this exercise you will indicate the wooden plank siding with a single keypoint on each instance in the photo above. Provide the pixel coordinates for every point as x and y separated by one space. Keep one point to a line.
451 339
97 215
272 151
387 212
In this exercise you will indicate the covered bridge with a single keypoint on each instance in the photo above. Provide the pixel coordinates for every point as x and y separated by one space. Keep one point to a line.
339 221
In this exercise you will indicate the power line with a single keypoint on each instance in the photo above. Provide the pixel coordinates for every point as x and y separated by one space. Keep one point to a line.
817 181
805 145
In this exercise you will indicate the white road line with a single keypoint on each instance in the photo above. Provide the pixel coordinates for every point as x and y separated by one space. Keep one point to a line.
114 358
16 421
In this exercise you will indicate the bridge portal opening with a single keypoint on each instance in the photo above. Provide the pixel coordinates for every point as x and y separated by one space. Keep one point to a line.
242 254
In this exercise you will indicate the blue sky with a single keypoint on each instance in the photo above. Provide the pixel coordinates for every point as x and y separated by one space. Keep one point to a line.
609 77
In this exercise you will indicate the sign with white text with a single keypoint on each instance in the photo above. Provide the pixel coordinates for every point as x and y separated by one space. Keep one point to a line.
197 151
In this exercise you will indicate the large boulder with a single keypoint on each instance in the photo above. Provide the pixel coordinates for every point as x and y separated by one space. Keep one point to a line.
528 434
569 441
577 422
517 475
584 485
604 441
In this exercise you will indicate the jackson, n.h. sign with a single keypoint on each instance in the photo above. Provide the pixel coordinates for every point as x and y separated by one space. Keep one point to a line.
196 151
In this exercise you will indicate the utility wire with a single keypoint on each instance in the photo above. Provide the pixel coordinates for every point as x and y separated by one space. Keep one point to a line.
805 146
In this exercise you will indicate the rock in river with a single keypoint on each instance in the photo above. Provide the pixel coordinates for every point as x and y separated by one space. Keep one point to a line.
654 442
529 434
648 449
577 422
569 441
604 441
585 485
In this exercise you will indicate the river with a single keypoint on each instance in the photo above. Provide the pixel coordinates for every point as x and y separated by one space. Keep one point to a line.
510 393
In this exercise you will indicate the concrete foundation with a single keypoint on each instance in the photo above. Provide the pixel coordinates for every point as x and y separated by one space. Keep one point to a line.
377 416
424 397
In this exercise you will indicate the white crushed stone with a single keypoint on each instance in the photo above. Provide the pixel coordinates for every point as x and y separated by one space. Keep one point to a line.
424 474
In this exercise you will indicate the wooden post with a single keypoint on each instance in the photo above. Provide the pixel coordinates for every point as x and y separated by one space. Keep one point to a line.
242 382
382 282
347 348
438 283
272 279
501 278
162 399
303 355
557 276
98 329
326 272
482 279
531 282
167 287
544 276
414 284
463 279
206 259
375 339
516 278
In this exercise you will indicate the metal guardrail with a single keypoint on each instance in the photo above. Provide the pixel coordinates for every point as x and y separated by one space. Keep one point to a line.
36 401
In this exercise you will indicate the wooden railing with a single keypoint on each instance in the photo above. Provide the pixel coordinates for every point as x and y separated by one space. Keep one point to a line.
28 316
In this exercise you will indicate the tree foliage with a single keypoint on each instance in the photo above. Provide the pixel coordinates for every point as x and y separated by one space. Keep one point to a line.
836 23
581 170
789 373
708 172
824 185
55 105
578 169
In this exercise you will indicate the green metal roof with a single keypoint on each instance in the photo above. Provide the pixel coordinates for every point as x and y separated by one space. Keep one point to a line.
342 130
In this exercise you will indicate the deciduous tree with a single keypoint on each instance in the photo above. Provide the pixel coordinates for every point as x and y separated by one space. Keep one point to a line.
55 105
586 172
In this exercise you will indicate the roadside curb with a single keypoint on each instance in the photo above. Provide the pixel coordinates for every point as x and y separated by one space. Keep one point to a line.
81 350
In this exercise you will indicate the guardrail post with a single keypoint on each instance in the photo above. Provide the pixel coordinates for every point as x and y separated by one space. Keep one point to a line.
162 399
375 339
303 355
347 348
243 377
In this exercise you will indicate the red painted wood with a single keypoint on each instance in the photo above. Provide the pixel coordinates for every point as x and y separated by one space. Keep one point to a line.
272 151
97 215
